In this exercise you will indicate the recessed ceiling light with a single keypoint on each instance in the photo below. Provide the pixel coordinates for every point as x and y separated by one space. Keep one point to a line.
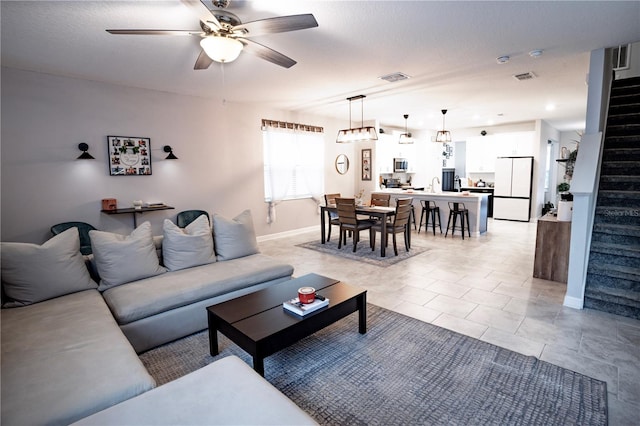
550 107
535 53
502 59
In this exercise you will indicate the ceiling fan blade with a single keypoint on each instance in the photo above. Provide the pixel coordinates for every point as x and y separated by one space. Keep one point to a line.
278 24
203 61
156 32
267 53
213 18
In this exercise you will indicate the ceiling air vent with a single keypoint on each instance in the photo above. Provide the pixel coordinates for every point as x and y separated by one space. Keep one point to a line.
525 76
392 78
620 57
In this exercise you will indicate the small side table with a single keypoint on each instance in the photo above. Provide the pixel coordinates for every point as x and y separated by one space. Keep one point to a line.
552 249
135 211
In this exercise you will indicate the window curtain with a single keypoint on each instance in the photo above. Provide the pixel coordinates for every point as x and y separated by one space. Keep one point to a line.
293 163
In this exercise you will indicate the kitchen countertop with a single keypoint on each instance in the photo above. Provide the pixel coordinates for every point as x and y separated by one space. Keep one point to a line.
445 194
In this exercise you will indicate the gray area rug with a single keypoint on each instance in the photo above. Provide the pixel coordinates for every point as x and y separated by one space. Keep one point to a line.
364 252
404 371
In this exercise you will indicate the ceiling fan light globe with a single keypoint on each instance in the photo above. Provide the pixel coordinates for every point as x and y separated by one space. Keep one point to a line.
221 49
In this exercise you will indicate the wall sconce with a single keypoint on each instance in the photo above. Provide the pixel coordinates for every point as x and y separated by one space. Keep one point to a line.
85 155
171 156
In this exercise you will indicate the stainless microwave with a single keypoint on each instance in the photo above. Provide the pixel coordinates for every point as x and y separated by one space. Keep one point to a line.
400 165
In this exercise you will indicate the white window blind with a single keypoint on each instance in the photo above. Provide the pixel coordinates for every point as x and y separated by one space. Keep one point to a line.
293 162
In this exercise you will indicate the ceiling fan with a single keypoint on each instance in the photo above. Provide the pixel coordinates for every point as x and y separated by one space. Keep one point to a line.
224 36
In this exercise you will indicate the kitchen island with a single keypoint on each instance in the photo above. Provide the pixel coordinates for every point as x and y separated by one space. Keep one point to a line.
476 203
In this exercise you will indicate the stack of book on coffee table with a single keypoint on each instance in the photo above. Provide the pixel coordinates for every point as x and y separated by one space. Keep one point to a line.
298 308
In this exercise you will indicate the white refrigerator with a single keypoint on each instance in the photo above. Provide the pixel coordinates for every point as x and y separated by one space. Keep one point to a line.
512 189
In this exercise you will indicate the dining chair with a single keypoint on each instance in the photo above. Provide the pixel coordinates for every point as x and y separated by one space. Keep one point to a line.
380 199
349 221
184 218
332 216
457 210
83 232
400 224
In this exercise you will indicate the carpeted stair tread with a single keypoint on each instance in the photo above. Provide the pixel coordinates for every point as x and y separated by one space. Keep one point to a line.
616 198
623 129
625 250
629 298
621 141
622 272
617 215
621 154
616 306
613 229
621 182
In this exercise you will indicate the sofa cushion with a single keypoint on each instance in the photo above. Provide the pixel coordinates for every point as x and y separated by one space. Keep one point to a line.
32 273
151 296
188 247
225 392
64 359
121 259
234 237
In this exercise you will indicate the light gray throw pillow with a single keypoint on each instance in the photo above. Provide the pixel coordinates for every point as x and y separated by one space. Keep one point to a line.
236 237
32 273
120 259
191 246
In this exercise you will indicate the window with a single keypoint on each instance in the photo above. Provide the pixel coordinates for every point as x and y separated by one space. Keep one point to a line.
293 162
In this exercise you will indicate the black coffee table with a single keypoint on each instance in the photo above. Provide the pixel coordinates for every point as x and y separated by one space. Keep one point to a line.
259 324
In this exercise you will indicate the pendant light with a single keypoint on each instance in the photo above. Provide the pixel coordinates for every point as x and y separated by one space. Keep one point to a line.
443 136
356 134
405 138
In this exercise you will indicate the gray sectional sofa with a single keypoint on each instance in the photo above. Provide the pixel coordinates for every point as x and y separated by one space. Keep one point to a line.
69 345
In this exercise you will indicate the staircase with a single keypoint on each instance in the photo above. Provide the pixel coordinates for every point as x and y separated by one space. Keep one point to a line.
613 274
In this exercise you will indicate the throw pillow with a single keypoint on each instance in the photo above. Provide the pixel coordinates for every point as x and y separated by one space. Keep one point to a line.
32 273
191 246
121 259
234 238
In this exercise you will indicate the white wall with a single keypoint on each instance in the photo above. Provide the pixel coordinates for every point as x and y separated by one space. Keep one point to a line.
219 147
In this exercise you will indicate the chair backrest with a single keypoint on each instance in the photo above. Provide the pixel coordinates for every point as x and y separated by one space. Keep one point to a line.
428 204
330 198
403 212
456 206
184 218
83 232
380 199
347 210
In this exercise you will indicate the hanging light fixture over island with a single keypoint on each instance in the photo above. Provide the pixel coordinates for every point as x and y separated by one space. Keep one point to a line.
356 134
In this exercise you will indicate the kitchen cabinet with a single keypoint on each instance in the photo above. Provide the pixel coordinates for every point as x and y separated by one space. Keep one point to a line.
481 155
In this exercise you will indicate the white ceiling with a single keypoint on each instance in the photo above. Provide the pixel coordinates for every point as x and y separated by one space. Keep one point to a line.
448 48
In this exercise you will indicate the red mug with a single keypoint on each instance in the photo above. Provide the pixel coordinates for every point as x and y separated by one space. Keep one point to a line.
306 294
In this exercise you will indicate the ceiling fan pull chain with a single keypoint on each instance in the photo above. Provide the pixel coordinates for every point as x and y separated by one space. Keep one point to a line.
224 95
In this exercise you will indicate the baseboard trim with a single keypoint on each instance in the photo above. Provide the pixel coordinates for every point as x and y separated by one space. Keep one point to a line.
573 302
287 233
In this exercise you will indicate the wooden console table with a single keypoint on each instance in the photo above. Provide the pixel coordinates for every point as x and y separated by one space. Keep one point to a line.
552 249
135 211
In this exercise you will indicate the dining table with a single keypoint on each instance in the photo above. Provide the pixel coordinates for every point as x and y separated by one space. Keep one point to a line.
379 212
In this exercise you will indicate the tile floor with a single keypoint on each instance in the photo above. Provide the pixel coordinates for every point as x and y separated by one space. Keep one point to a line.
483 287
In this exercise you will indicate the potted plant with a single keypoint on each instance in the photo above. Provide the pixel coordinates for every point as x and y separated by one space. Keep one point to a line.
563 190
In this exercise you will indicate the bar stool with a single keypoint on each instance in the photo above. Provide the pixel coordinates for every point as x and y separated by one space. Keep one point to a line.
429 209
455 210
